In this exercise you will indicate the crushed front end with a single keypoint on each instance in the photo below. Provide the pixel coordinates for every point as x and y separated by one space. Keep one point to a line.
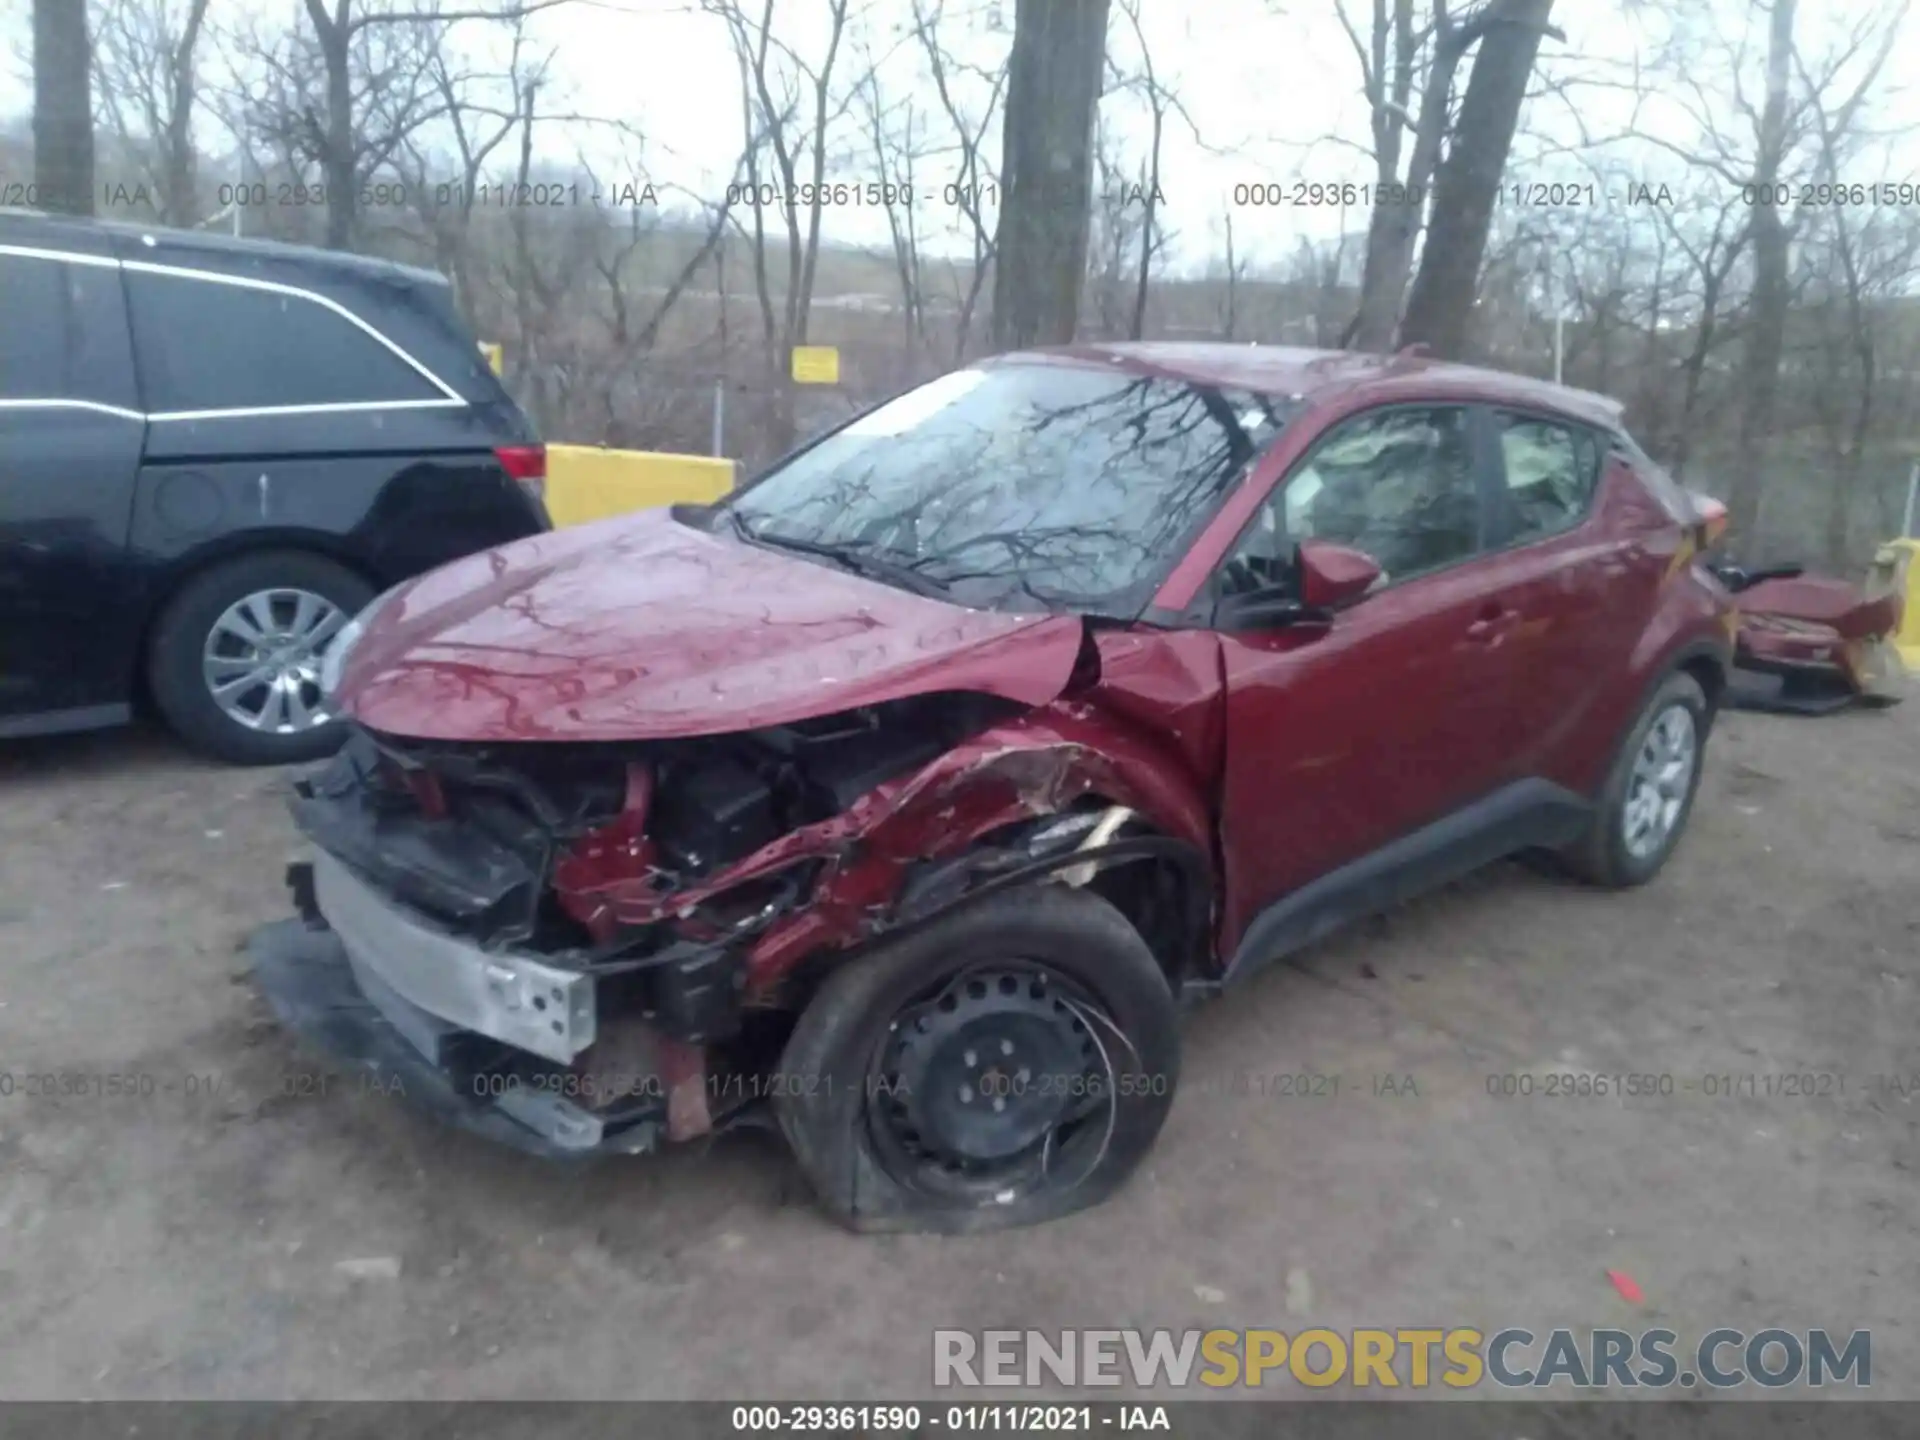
589 948
1811 644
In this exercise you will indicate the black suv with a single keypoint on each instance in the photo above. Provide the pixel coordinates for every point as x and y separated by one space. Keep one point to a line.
213 453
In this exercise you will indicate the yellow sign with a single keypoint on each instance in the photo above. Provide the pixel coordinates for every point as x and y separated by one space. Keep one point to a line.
496 356
816 365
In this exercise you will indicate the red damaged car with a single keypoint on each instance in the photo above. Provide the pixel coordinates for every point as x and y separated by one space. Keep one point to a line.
902 797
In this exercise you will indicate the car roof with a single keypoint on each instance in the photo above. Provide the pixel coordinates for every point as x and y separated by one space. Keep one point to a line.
1306 374
106 237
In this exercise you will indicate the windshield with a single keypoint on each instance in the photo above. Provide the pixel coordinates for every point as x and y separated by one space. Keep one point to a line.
1035 486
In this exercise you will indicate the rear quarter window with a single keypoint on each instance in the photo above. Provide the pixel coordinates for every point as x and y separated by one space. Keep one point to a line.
1668 491
1552 467
212 345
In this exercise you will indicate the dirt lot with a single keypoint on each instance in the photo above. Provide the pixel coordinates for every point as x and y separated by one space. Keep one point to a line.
189 1242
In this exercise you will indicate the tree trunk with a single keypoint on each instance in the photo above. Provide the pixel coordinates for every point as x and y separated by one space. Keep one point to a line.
62 107
1232 319
1846 477
179 203
1468 182
1395 221
1046 173
334 35
1149 222
339 167
1767 331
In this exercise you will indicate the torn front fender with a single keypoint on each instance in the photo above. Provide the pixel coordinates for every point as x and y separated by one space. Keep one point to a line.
1044 764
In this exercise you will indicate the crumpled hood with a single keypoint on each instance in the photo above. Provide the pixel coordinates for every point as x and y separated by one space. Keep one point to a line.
641 628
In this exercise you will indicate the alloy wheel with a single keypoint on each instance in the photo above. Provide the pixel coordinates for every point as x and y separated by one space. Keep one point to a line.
262 660
1660 781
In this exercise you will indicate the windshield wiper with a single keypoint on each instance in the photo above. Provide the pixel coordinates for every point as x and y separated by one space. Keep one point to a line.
740 526
857 558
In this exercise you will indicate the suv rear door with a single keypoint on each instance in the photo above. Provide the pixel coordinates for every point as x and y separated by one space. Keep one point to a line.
304 416
70 440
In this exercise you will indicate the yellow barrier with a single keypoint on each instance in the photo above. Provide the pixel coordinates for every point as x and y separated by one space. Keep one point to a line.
1898 565
586 482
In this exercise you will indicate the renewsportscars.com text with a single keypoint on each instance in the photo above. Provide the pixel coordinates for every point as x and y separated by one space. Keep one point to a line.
1459 1358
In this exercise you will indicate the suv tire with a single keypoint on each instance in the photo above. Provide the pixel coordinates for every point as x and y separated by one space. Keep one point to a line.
1642 811
303 599
1009 1063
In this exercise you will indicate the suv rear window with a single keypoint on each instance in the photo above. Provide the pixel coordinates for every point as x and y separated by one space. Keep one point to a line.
212 345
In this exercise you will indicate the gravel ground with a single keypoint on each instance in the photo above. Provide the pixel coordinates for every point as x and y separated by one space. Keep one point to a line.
254 1228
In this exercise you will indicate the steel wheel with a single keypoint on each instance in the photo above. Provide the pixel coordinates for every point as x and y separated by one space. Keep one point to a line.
261 662
1658 785
1004 1076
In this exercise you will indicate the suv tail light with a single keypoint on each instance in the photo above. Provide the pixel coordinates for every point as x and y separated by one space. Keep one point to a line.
528 465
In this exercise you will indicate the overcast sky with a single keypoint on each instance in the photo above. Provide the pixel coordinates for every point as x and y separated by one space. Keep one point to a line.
1272 88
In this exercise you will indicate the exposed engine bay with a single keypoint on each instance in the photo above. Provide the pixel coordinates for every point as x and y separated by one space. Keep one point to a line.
618 936
473 834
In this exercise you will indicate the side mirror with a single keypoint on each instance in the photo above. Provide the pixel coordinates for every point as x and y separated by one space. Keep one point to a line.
1332 575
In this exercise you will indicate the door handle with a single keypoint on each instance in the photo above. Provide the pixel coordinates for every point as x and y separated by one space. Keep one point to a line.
1492 622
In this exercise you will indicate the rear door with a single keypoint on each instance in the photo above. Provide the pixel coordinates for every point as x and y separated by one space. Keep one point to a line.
1342 737
70 439
1566 573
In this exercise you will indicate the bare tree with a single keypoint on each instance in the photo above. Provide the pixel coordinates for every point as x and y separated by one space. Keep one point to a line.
1704 61
1233 270
636 316
62 107
1711 254
1468 180
480 113
1053 89
896 134
1114 237
392 84
1876 251
1770 236
788 107
143 58
973 172
1161 102
1389 61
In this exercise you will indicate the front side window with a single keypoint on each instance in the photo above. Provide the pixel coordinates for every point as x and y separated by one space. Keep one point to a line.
1398 484
1022 486
1551 469
205 345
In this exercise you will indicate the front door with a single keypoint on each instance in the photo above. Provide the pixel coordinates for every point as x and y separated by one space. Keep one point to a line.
1344 735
